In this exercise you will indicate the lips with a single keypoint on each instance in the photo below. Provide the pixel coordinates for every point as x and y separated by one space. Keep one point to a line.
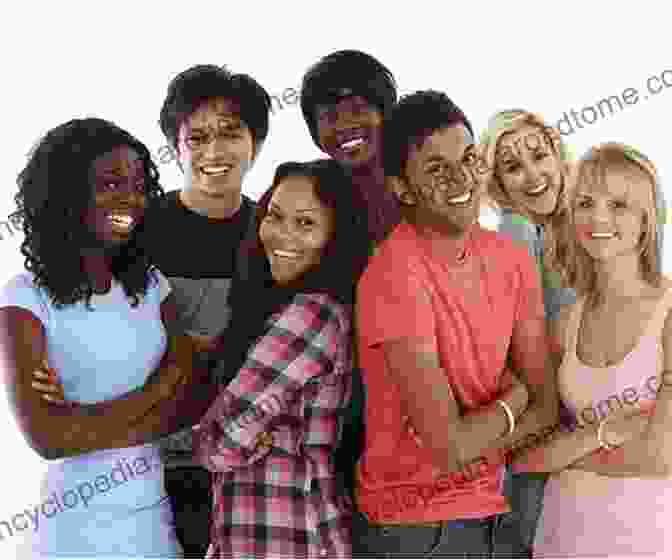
351 140
122 221
538 189
216 170
461 199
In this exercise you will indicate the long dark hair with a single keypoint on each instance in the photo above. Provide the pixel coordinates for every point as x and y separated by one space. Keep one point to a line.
344 258
54 189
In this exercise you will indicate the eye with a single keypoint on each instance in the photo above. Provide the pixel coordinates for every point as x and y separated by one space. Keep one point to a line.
538 156
111 185
434 169
511 167
620 204
585 203
470 159
140 186
306 222
195 140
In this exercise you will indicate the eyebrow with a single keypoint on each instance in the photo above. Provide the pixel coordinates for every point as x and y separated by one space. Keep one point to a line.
277 207
434 158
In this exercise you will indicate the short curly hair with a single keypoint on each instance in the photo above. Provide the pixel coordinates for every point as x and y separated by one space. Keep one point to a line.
416 117
191 88
55 188
351 69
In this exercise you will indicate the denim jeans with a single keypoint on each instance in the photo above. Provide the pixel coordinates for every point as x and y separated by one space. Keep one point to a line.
514 533
463 538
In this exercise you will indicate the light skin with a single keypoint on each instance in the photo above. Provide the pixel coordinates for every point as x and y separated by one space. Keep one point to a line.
609 331
215 151
454 437
529 170
295 230
140 416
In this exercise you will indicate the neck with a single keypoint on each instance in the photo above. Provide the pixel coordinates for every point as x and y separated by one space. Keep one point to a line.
450 245
98 267
369 174
618 278
221 207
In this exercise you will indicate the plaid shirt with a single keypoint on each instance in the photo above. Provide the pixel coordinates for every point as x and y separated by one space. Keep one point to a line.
270 435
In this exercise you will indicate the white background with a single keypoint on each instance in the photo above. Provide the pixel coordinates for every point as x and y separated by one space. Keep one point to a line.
115 59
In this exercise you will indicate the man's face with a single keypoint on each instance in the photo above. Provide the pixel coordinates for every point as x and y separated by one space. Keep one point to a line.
349 130
440 181
215 148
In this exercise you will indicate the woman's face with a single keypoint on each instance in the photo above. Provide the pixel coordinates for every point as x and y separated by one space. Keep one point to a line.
529 170
609 218
295 230
119 183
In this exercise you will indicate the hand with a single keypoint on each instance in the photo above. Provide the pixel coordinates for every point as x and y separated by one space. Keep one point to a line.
204 343
46 382
514 392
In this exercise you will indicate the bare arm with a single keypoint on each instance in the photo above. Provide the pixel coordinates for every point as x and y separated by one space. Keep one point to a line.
650 455
455 439
54 430
561 447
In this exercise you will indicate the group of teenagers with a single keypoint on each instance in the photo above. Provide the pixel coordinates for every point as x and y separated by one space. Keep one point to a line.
347 367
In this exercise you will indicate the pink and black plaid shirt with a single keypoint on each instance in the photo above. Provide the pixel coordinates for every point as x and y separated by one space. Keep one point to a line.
269 438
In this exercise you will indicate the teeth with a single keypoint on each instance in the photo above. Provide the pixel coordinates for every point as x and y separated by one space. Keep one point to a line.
602 235
123 220
538 189
216 170
286 254
352 143
466 197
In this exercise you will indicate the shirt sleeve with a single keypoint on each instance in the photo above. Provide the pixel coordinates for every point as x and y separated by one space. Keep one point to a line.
301 345
20 291
519 229
392 304
530 304
163 284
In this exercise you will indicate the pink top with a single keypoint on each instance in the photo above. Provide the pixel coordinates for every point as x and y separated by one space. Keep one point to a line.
472 311
588 514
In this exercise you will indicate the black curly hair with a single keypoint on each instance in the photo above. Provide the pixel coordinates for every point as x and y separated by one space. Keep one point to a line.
55 189
352 69
194 86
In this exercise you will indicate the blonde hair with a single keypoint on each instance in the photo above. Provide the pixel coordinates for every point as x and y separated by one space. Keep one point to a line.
504 122
593 168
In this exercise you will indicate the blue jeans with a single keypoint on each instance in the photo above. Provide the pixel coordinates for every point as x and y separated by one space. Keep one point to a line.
514 533
463 538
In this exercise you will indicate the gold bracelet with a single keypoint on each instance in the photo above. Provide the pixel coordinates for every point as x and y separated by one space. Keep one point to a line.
603 444
510 418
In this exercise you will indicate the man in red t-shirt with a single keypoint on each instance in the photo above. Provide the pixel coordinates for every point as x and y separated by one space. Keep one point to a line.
443 309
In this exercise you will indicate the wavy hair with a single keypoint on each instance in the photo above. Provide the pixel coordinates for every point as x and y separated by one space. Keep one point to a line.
55 189
592 168
505 122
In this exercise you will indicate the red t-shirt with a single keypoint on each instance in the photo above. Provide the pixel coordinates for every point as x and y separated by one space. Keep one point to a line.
469 310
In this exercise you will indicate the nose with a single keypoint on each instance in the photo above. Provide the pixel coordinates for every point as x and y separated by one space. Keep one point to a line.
532 174
600 213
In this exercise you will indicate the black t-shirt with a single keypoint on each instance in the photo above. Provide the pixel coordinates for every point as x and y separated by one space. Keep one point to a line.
200 257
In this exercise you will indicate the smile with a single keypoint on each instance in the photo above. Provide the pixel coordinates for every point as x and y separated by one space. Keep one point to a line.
464 198
596 235
538 190
122 221
214 171
352 144
286 254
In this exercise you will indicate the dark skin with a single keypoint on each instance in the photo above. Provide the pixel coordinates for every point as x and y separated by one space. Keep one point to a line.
349 131
443 209
175 395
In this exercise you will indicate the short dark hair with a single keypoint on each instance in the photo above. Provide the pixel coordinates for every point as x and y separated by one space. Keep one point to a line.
54 189
196 85
351 69
417 116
